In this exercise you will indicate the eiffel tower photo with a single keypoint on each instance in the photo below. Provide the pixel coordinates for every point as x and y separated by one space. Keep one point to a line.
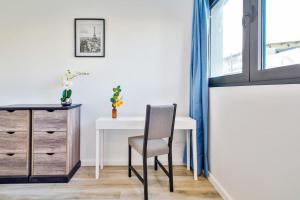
90 35
90 44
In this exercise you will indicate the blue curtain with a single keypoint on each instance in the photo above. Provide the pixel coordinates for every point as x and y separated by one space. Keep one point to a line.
199 81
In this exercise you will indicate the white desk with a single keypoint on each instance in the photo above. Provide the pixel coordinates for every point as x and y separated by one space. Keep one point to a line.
138 123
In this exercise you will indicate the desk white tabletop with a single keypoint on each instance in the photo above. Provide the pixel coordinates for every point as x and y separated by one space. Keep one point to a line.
138 122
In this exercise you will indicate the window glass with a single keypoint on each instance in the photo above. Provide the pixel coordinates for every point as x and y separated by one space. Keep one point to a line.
226 39
281 31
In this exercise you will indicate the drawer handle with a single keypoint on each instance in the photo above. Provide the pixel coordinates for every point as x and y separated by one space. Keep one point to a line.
50 110
11 111
50 154
10 154
50 132
10 132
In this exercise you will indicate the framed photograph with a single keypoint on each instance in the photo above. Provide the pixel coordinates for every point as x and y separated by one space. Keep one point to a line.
89 37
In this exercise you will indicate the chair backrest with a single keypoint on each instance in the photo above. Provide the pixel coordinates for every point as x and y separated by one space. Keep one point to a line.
160 121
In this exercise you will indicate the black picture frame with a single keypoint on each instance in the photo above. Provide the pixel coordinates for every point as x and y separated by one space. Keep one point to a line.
102 36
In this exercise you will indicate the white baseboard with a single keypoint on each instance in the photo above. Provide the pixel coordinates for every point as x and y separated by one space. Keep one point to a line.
87 163
217 185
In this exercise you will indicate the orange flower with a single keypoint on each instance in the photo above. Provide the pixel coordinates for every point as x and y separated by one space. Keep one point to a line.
119 102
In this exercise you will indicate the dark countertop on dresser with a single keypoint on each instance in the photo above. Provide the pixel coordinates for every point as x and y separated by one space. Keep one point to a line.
38 107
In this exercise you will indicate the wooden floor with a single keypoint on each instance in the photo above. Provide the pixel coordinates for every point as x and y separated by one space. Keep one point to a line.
114 184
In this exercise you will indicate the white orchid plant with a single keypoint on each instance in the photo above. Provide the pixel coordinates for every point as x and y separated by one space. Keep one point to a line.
68 78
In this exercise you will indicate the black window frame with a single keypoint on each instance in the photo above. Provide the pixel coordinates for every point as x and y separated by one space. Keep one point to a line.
252 73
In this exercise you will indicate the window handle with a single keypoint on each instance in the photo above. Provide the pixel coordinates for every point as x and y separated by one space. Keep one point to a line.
246 18
250 15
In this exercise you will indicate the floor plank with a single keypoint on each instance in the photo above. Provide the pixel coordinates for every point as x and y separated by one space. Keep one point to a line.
114 184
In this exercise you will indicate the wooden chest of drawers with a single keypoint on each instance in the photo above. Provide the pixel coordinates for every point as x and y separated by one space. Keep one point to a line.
39 143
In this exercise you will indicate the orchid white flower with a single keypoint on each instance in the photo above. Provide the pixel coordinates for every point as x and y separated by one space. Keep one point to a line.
69 76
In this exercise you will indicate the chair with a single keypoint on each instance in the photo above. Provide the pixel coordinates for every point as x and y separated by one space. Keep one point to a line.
159 124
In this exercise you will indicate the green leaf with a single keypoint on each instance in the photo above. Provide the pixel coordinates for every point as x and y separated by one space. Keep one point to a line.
64 94
118 86
114 89
112 100
69 93
63 99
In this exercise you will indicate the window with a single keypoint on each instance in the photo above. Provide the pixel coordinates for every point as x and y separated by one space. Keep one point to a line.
254 42
226 38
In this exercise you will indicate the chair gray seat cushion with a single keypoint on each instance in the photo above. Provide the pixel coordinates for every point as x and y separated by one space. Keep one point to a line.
155 147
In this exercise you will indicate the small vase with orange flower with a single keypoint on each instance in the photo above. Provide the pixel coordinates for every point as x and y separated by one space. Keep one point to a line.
116 101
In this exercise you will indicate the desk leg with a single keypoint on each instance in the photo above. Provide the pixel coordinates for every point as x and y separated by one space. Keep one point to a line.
194 138
97 153
188 149
102 148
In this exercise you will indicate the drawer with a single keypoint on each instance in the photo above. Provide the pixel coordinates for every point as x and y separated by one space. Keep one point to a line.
51 141
52 120
13 142
49 164
13 164
14 120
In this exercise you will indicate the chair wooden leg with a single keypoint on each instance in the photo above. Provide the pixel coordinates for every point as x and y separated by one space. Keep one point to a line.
129 161
155 163
170 171
145 178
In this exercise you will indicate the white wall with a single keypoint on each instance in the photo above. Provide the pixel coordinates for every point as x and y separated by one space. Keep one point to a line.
147 52
254 142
